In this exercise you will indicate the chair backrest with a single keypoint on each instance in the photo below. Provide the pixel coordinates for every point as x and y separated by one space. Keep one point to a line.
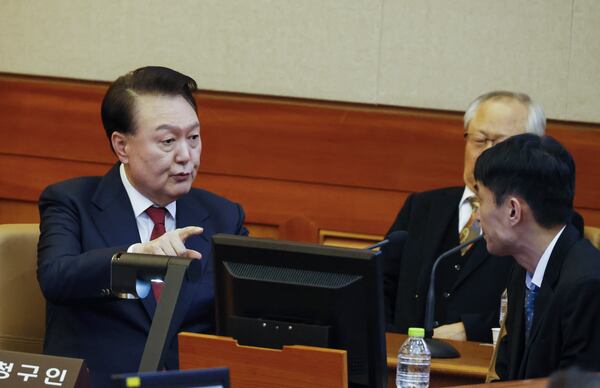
593 234
22 305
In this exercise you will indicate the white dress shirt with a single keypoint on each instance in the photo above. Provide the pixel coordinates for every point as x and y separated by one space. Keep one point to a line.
537 276
139 203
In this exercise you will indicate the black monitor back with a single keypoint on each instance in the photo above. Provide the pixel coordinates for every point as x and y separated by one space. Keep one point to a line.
272 293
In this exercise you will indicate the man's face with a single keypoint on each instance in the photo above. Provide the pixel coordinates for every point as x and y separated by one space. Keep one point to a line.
495 221
163 154
494 121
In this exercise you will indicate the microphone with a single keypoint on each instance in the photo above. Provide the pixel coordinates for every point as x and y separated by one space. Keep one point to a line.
440 349
396 237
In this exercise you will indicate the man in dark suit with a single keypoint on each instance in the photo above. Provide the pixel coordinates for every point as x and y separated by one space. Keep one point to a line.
469 284
526 186
144 204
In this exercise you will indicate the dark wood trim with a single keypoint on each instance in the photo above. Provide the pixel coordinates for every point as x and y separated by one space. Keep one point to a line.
296 165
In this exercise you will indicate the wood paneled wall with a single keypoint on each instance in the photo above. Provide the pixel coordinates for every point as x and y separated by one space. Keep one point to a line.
303 170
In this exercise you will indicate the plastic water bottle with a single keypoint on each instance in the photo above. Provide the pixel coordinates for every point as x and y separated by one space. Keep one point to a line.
414 361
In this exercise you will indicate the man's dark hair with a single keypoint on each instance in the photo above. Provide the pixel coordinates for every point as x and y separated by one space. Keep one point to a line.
538 169
119 101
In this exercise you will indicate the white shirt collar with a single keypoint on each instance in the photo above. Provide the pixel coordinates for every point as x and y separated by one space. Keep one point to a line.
138 201
538 275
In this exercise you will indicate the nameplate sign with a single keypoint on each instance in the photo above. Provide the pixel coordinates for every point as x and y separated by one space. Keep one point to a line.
38 370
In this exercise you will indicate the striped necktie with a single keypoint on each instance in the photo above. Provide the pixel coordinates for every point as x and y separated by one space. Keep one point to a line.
471 228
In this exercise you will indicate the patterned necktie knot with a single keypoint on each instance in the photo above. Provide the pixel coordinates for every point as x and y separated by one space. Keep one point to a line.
474 202
471 228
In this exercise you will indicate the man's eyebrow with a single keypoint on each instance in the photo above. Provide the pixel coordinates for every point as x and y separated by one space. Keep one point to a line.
171 127
481 131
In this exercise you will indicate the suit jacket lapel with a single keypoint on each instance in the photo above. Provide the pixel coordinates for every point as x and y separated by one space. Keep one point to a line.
114 216
517 334
477 256
438 221
190 212
115 220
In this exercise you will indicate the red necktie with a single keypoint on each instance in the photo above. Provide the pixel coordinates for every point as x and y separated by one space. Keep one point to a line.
157 215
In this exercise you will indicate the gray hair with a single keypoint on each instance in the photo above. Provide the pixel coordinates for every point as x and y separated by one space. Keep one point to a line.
536 119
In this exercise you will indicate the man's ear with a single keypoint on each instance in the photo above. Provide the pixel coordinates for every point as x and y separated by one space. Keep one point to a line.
515 210
119 143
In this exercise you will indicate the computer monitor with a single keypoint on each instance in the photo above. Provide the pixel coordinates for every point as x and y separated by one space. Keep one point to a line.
196 378
272 293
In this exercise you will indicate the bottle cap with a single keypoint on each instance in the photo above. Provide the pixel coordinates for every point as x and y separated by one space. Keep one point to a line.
418 332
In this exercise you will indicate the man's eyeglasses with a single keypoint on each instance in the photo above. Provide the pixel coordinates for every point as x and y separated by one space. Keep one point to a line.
480 140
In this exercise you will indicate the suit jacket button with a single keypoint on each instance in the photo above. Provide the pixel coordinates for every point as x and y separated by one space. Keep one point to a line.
457 267
416 296
436 323
446 294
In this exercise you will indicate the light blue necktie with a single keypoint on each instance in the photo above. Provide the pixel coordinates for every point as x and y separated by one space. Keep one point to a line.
529 307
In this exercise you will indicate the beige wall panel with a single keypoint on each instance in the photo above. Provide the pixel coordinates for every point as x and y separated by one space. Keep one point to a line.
441 54
417 53
314 48
584 74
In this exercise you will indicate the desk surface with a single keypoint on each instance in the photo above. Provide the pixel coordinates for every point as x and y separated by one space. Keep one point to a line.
471 367
532 383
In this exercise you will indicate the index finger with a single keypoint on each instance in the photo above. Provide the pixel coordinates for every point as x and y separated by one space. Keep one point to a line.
188 231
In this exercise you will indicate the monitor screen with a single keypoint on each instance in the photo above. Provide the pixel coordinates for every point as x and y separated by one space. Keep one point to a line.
272 293
199 378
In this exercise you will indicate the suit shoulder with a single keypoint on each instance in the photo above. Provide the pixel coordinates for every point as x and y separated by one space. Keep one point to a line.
435 195
582 262
77 187
211 199
418 205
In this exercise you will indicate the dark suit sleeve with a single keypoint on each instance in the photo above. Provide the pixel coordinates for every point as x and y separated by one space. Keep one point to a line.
503 355
392 257
241 229
581 320
65 273
478 326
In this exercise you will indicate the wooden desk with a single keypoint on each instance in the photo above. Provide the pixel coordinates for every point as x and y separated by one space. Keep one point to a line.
532 383
470 368
253 367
